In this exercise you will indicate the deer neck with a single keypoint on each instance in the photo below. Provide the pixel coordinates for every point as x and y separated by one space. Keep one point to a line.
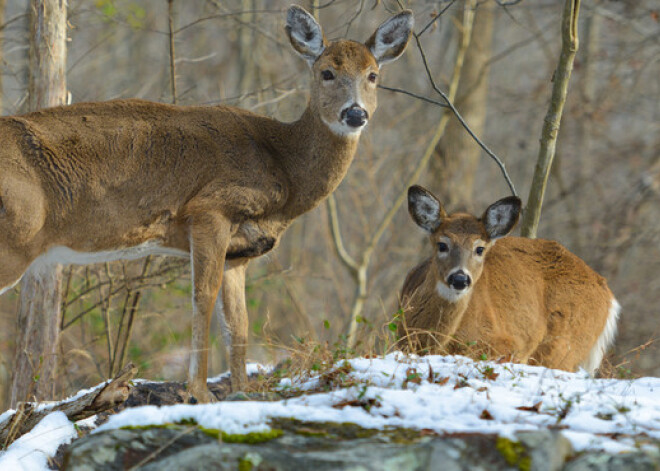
316 161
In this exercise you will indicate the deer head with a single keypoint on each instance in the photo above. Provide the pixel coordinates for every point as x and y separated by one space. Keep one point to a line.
345 73
460 241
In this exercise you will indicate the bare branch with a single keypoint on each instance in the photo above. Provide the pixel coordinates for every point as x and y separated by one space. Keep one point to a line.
414 95
468 19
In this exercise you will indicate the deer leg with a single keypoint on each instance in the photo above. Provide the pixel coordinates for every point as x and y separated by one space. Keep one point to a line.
234 321
209 239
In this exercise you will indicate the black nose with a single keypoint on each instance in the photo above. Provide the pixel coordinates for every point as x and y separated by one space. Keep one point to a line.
459 280
355 116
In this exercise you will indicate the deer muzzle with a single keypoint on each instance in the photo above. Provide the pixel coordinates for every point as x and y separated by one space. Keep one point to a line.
459 280
355 116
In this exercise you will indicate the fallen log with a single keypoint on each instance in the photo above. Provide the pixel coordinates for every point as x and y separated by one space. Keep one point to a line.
85 404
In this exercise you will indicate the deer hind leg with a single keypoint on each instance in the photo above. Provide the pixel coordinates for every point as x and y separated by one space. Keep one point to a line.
232 313
209 239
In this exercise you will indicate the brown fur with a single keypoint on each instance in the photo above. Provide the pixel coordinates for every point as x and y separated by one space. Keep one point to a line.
531 300
219 182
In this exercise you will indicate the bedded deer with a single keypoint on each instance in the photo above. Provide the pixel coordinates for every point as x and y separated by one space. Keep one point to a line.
529 300
124 179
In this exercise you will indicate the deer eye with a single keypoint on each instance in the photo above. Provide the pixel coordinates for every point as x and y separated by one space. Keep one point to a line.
372 77
479 251
443 247
327 75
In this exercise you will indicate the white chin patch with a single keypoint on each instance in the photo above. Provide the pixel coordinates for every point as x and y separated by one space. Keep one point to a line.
449 294
343 129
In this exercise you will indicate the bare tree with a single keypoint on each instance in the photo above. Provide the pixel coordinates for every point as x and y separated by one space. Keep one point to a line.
40 306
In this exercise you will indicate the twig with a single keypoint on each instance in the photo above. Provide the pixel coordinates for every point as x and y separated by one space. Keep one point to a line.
435 18
451 106
414 95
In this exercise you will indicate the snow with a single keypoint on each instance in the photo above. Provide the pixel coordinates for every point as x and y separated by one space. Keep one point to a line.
446 394
589 411
32 451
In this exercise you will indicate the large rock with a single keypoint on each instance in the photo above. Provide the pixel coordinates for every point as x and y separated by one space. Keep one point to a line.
310 446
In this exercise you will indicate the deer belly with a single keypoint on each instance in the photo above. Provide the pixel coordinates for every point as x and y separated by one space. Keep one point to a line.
65 255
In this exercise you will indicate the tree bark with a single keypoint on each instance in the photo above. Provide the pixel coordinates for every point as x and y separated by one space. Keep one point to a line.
40 306
453 170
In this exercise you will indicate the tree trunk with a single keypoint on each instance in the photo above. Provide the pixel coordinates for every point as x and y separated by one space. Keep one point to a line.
453 170
562 76
3 4
39 310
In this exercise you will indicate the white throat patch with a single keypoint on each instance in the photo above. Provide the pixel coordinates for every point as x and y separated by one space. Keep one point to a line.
449 294
344 130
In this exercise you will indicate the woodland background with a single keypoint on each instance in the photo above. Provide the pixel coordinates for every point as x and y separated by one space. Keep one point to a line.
603 199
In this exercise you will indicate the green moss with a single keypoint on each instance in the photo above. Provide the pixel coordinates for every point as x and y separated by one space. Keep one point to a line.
347 431
514 453
150 427
186 421
335 430
245 464
252 438
211 432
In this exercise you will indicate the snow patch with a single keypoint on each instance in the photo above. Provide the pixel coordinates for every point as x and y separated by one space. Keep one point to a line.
31 451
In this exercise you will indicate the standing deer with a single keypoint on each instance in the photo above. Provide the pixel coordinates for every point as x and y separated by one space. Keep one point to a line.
123 179
527 299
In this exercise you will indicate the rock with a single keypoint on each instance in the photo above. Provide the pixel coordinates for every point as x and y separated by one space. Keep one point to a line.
548 450
182 448
331 446
637 461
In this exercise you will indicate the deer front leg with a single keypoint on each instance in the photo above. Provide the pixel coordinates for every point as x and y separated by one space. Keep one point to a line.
209 239
232 313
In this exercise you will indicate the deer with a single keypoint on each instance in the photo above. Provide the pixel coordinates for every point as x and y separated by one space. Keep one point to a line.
527 300
123 179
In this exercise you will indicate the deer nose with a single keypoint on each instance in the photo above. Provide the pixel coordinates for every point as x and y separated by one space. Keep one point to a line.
459 280
355 116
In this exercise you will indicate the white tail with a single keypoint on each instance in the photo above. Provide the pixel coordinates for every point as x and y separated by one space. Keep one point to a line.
124 179
527 299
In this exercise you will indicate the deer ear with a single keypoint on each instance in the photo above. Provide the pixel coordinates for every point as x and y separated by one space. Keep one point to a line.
501 217
425 209
391 38
305 34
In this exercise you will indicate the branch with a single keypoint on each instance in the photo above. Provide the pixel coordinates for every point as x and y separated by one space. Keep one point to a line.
342 253
414 95
99 399
361 271
449 100
435 18
552 119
